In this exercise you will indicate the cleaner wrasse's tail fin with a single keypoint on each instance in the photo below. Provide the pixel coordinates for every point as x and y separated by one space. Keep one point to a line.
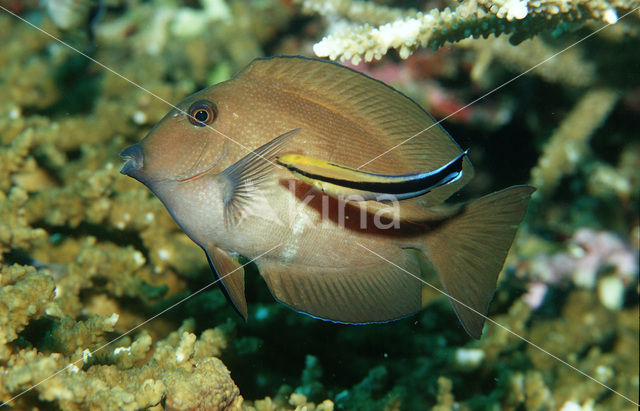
469 249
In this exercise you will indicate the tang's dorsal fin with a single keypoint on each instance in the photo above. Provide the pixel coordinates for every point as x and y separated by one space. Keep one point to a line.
385 120
244 177
231 275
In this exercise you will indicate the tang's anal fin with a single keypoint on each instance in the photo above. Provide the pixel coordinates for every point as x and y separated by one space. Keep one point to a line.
244 177
374 292
231 275
357 185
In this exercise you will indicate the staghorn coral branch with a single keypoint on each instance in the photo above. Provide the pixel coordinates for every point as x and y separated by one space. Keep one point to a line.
472 18
570 67
570 141
356 11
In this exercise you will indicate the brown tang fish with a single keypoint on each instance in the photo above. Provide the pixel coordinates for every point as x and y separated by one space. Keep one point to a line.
211 162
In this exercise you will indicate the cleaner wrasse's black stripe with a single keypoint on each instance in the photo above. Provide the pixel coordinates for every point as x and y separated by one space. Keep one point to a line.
405 185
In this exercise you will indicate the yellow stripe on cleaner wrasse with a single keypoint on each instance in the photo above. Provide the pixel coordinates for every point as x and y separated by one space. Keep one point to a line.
339 180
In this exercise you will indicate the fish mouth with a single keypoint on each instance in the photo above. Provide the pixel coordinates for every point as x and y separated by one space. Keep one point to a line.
133 158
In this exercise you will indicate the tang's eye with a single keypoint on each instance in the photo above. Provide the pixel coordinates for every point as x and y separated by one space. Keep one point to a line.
201 113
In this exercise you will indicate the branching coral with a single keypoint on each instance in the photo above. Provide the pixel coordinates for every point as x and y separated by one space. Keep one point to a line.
570 141
472 18
182 370
568 68
24 294
14 230
356 11
77 243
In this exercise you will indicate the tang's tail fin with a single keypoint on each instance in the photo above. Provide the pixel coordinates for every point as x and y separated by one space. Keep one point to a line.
469 249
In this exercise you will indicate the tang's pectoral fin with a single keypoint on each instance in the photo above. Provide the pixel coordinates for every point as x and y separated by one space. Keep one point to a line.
359 185
243 178
469 249
371 293
231 275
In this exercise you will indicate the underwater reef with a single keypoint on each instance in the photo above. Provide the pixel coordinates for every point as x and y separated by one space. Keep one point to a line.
106 304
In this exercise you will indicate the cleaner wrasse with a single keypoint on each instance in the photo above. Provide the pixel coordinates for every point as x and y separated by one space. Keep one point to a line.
358 185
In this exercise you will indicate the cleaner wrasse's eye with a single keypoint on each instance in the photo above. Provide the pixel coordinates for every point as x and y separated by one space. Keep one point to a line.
202 113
